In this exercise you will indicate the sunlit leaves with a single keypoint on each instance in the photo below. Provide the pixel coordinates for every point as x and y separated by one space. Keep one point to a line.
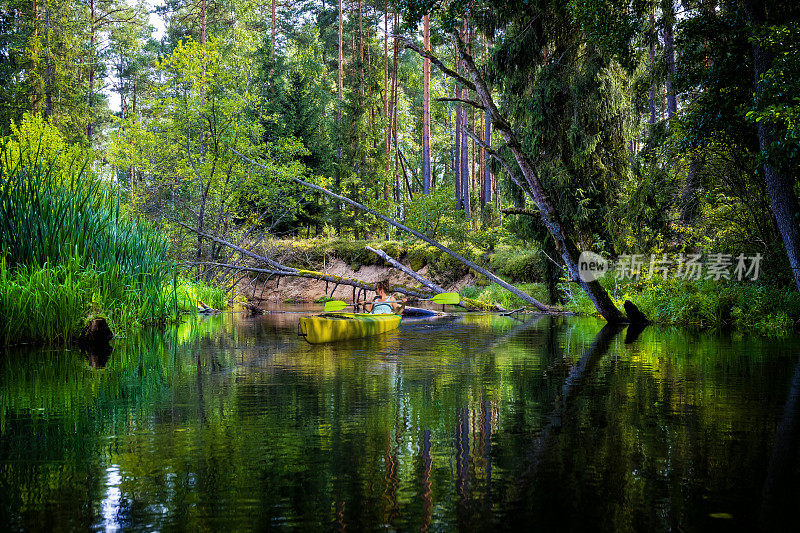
201 109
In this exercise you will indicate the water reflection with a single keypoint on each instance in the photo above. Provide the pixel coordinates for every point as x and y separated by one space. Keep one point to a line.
111 503
479 422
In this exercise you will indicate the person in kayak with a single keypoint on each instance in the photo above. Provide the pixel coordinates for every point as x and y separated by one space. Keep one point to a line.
384 302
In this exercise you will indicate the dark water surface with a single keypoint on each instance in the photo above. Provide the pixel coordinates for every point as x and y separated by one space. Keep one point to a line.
479 422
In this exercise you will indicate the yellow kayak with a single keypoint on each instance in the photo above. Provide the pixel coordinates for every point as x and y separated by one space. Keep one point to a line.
331 327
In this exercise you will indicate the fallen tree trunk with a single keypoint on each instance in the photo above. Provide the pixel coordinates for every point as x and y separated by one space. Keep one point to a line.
239 249
386 257
550 215
321 276
458 257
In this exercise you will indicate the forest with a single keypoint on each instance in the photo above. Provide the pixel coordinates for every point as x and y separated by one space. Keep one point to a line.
572 226
159 154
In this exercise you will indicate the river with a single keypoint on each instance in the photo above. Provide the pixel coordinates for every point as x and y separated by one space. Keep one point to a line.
475 422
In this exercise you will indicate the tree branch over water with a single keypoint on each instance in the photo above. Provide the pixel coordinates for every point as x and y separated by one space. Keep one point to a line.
458 257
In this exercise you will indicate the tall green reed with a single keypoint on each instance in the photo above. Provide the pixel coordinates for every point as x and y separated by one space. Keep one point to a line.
69 249
48 215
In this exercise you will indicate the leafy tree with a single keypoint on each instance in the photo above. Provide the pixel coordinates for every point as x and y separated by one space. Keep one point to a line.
197 115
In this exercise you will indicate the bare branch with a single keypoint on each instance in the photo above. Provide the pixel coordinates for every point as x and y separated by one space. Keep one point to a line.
402 268
473 103
436 61
458 257
243 251
311 274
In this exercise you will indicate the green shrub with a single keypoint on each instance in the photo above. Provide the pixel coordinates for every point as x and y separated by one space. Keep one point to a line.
761 309
518 264
496 294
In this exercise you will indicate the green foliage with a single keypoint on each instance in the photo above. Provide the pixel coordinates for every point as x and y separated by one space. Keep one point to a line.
645 209
745 306
69 250
50 303
199 113
434 215
610 25
777 102
493 293
34 139
517 264
45 304
45 60
54 210
188 293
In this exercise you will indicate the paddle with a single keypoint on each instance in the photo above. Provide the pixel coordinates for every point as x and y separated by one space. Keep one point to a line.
449 298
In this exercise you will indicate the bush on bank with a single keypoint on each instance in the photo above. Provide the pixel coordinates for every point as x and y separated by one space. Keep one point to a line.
68 250
746 306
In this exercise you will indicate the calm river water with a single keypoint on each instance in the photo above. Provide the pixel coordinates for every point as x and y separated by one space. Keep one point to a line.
476 422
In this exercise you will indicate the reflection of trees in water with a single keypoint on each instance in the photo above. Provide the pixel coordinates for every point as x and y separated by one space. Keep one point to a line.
477 424
778 508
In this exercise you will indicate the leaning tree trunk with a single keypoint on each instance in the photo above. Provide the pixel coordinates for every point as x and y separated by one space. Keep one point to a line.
487 171
780 185
651 62
550 216
458 257
457 152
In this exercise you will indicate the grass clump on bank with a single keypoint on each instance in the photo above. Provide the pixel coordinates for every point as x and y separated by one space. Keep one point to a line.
68 250
745 306
494 293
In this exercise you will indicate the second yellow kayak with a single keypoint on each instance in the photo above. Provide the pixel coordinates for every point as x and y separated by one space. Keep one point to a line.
331 327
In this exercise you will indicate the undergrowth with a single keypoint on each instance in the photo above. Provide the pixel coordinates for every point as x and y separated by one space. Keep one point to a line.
69 251
496 294
745 306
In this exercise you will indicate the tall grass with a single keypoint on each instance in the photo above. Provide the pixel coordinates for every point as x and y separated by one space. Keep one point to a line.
68 250
702 304
50 214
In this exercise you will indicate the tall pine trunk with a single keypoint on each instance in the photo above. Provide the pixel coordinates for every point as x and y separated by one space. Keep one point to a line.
203 21
92 39
393 112
457 151
426 111
487 140
651 64
669 51
272 51
386 98
465 177
48 78
487 173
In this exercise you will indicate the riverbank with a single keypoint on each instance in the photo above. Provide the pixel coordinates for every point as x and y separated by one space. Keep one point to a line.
748 307
52 304
70 252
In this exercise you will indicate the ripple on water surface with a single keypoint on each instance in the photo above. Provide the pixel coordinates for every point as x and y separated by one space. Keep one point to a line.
471 422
